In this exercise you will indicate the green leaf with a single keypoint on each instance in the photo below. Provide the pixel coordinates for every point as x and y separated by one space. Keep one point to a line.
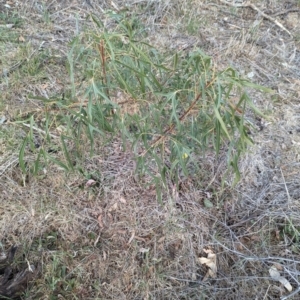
66 152
58 162
21 155
208 203
223 126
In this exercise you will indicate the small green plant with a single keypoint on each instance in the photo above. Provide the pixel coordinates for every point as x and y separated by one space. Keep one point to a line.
8 22
10 18
45 13
185 107
292 231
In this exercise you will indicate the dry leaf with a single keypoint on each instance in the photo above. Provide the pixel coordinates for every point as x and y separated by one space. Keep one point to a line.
110 217
276 276
60 129
122 200
278 266
114 6
21 39
211 262
144 250
140 239
244 240
150 271
208 195
113 207
128 288
100 221
255 238
131 238
167 150
161 239
239 246
90 182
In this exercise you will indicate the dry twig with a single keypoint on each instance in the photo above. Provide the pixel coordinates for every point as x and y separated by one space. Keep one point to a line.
254 7
285 12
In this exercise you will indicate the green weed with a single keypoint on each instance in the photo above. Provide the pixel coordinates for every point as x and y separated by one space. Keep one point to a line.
184 106
10 18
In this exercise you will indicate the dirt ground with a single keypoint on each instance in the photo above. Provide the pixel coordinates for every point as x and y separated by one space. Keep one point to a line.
114 240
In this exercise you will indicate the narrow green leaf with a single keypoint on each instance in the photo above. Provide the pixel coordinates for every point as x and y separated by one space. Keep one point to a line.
158 188
175 61
217 114
21 155
58 162
66 152
37 163
208 203
97 21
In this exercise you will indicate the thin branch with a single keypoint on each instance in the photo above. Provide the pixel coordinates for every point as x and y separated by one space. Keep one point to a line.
101 47
254 7
286 189
39 130
285 12
171 127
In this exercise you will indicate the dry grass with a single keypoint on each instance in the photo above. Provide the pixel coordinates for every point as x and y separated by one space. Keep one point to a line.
113 240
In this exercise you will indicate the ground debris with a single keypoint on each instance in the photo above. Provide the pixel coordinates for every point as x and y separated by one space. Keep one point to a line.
14 282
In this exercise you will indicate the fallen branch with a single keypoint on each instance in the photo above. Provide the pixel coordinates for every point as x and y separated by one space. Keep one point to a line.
254 7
